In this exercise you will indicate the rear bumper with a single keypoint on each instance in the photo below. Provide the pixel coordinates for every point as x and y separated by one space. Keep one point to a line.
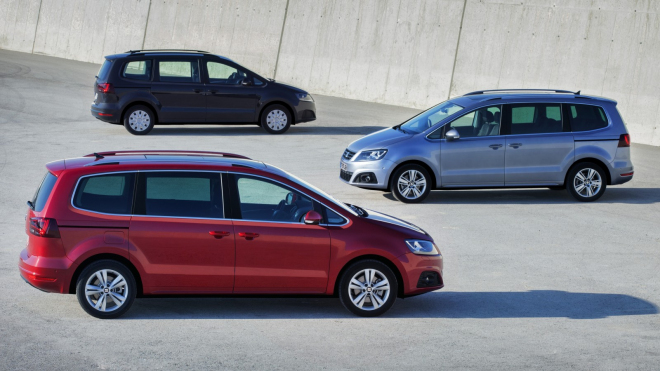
305 111
106 112
414 265
46 274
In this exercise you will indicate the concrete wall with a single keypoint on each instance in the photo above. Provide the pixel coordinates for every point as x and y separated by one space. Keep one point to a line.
405 52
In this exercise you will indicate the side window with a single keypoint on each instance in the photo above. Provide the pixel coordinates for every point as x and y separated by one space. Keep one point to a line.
334 218
137 70
180 194
263 200
220 73
258 82
110 193
43 192
534 118
178 71
483 122
585 117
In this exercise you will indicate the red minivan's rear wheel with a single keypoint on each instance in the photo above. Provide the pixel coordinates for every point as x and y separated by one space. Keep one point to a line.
106 289
368 288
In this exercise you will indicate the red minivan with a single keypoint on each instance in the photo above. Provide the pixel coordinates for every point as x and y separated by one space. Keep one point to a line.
111 226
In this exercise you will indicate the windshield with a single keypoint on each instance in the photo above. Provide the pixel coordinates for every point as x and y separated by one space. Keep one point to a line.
319 191
429 118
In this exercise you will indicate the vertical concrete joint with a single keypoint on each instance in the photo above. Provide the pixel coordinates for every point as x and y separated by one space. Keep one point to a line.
144 35
458 44
36 26
279 47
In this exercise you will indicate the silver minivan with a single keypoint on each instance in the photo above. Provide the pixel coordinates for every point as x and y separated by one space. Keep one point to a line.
497 138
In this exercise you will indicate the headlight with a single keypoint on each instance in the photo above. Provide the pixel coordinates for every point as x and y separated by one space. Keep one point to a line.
371 155
422 247
305 97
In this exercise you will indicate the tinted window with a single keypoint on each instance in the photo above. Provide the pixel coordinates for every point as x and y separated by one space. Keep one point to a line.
534 118
180 194
220 73
334 218
483 122
263 200
178 71
104 71
137 70
110 194
42 193
258 82
585 117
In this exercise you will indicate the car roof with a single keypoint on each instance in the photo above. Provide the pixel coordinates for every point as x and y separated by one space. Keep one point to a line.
528 95
164 52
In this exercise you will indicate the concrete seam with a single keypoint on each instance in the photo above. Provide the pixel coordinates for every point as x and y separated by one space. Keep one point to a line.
144 35
458 43
36 26
279 47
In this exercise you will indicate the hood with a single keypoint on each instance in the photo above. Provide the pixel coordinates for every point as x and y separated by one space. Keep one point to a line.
297 90
382 218
379 139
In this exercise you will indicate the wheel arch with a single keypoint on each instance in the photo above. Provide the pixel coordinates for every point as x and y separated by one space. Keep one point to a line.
280 102
595 161
382 259
137 103
95 258
434 181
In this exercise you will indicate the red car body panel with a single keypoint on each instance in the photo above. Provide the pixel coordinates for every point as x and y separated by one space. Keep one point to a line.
210 256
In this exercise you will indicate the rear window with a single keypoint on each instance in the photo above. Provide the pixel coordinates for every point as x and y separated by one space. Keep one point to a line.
104 71
585 117
137 70
43 192
109 194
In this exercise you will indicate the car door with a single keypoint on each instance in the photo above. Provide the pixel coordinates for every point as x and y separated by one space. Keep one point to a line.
179 234
231 95
276 252
179 90
539 148
477 157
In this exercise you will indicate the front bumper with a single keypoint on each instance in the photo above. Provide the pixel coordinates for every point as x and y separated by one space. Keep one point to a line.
414 266
305 111
106 112
46 274
350 171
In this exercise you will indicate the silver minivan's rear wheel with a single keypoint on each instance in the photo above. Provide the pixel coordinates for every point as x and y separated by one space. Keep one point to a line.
410 183
106 289
368 288
586 181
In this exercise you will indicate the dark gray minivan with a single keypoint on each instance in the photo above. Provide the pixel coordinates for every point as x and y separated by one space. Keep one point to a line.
497 138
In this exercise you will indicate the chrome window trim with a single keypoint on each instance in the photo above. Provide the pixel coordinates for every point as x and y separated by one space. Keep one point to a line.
288 186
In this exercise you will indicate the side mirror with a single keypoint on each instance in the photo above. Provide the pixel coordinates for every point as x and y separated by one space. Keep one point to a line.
452 135
313 218
246 82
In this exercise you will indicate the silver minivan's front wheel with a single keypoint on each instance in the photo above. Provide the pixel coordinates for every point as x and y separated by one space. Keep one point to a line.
410 183
586 181
106 289
368 288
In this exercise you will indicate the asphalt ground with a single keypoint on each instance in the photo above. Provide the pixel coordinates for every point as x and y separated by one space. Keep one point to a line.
533 278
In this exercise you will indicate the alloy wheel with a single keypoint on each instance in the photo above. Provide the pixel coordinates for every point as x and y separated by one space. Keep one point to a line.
411 184
369 289
587 182
139 120
106 290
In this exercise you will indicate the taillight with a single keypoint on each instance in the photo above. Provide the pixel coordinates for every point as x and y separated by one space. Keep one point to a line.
624 140
105 88
44 227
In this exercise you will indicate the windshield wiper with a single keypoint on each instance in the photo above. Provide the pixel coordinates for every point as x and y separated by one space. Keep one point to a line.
398 127
360 211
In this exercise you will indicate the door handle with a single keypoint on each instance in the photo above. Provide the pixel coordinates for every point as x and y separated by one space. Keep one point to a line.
495 146
219 234
248 235
515 145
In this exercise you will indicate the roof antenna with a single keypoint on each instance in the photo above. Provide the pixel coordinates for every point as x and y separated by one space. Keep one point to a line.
578 92
98 157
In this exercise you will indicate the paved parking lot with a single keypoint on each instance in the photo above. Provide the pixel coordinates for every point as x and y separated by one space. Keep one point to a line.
533 279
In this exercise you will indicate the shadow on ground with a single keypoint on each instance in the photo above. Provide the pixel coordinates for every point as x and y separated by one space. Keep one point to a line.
613 194
448 304
222 130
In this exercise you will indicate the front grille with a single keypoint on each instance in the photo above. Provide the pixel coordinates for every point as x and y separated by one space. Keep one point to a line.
346 175
348 154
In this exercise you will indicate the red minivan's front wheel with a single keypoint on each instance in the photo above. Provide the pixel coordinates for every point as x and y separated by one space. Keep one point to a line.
106 289
368 288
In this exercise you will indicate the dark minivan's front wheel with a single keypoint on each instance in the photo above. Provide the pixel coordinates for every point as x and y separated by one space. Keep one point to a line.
139 120
586 182
410 184
106 289
276 119
368 288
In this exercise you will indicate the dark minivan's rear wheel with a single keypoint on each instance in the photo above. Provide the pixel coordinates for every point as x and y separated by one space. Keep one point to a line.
106 289
410 184
139 120
368 288
586 181
276 119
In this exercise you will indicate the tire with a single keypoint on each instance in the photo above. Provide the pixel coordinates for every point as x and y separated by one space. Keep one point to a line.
108 299
139 120
276 119
374 302
589 175
415 194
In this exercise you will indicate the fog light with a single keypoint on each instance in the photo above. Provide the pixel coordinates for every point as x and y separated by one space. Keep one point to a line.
367 178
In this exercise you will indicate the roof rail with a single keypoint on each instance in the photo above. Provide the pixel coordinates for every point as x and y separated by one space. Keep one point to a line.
158 152
166 50
516 90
